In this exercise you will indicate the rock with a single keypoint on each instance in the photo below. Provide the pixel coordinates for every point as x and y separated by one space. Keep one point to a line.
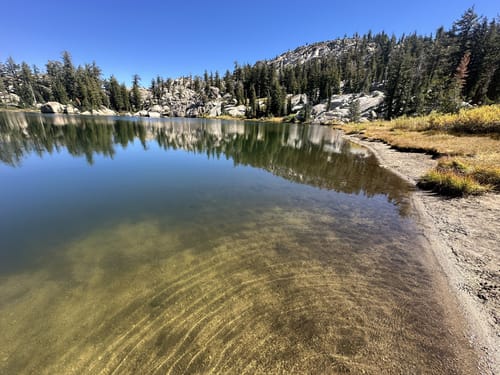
104 111
70 110
166 111
153 114
193 111
215 111
339 101
9 99
52 107
238 111
339 107
179 112
318 109
482 296
156 108
368 103
298 99
214 92
142 113
212 108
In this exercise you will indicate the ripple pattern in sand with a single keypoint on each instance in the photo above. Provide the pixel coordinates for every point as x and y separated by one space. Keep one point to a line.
284 294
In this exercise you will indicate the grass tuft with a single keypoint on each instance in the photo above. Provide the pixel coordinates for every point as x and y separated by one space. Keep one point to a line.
454 177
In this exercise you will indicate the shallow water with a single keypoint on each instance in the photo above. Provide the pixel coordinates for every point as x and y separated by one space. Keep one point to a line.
207 246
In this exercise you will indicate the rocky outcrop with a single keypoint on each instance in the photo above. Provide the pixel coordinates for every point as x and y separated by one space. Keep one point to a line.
56 108
103 111
156 108
9 99
331 48
181 100
70 110
297 102
337 109
184 102
235 111
52 107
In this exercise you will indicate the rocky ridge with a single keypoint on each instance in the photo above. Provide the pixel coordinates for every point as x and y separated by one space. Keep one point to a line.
182 101
331 48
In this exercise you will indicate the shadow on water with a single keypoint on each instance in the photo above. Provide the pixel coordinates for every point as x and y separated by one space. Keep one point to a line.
158 256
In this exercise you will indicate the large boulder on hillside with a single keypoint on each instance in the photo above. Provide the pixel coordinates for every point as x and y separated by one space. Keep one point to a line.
214 92
9 99
339 101
165 111
318 109
371 101
299 99
179 111
336 110
52 107
104 111
193 111
156 108
70 110
215 111
238 111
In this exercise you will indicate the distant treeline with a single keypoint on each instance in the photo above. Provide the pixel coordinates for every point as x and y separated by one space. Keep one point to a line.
419 74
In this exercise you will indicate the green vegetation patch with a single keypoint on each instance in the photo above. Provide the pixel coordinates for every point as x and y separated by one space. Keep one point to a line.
453 177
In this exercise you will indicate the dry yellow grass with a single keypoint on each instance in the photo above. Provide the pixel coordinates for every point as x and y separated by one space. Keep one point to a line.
480 120
470 138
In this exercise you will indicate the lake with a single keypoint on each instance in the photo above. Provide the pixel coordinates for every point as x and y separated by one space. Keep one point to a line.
177 246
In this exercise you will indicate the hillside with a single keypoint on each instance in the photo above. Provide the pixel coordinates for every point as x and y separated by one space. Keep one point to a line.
362 77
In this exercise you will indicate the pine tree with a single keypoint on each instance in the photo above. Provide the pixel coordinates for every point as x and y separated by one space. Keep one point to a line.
115 94
354 111
217 80
228 83
252 105
206 79
68 71
276 99
25 88
125 97
135 93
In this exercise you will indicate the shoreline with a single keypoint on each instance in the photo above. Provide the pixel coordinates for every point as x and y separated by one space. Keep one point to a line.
463 235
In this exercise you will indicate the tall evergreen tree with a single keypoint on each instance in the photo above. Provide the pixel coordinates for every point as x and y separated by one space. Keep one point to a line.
135 93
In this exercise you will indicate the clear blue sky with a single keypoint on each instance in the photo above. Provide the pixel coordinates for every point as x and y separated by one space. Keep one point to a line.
183 37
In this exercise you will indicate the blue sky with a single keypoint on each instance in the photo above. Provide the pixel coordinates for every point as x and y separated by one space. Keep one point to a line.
174 38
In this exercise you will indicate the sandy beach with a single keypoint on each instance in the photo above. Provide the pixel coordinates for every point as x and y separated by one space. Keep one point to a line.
464 235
